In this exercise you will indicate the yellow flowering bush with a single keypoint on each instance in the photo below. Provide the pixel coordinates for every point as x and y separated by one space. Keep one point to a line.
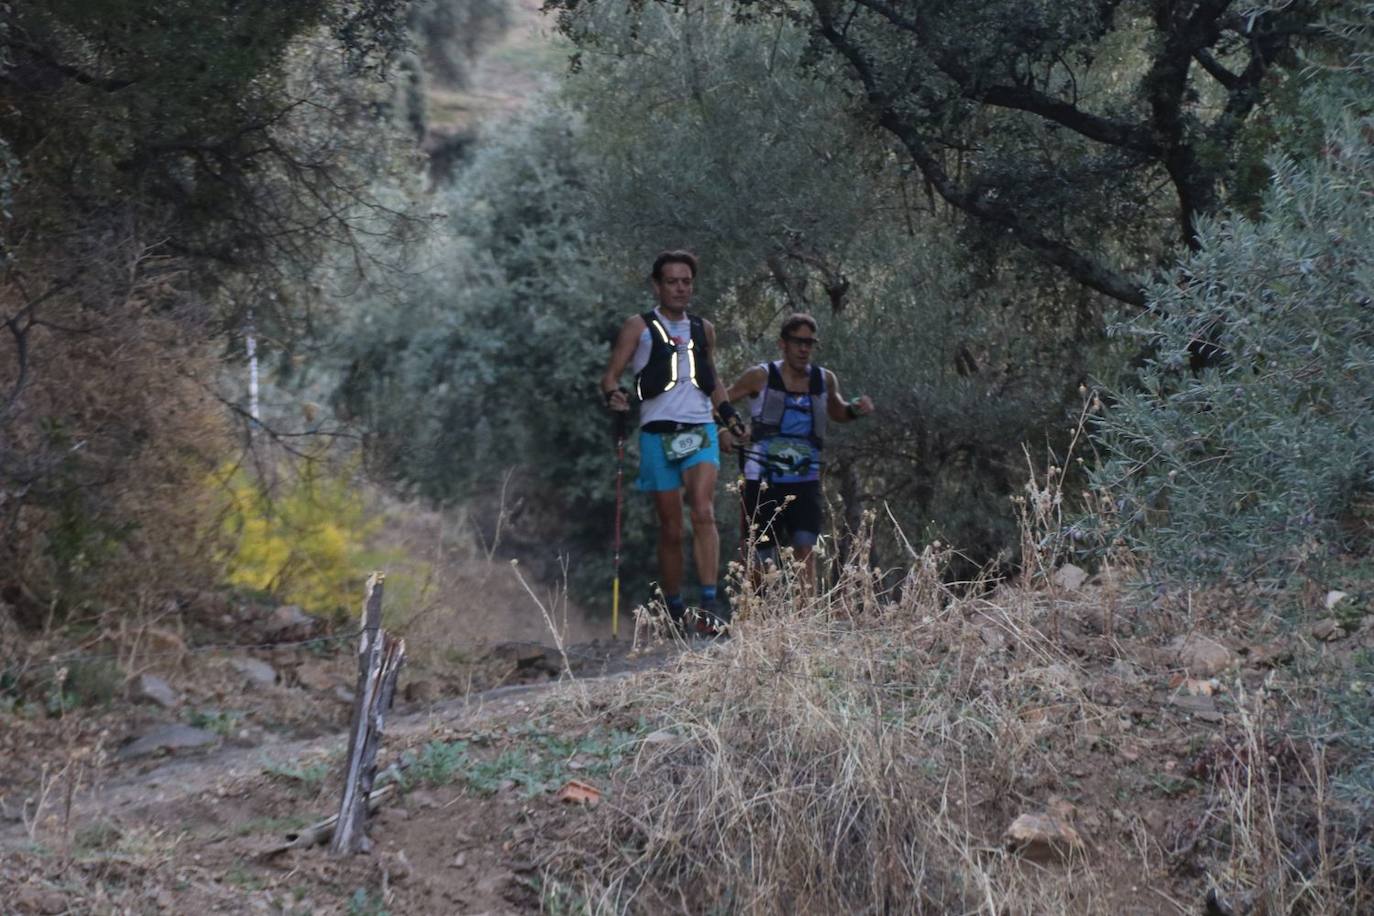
302 542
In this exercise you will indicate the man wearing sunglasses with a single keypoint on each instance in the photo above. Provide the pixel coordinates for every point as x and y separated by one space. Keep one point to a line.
672 355
791 401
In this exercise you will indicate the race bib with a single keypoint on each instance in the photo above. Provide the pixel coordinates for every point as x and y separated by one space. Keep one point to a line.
685 442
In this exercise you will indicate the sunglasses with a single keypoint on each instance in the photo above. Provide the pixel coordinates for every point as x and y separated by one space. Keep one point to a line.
802 341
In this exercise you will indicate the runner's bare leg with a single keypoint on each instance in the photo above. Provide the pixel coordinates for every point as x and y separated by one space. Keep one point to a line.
699 482
668 503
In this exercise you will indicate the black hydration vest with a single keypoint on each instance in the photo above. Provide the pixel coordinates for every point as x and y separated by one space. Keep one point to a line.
664 370
768 423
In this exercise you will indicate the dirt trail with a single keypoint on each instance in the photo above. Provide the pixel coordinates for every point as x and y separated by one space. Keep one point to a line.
191 833
145 794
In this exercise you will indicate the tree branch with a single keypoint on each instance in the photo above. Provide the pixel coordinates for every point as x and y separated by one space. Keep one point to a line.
42 59
1166 87
1095 127
21 350
1082 268
19 324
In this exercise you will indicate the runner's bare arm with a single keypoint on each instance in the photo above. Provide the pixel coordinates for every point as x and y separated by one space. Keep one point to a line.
718 393
621 353
837 408
726 415
748 384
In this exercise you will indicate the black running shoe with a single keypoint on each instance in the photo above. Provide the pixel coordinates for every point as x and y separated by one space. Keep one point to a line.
707 620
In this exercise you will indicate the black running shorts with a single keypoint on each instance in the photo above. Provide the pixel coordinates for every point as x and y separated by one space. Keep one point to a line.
788 523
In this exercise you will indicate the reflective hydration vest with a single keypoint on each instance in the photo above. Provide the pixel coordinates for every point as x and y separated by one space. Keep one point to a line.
667 367
767 417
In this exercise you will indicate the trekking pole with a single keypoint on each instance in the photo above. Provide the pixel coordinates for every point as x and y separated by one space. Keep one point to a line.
743 509
622 418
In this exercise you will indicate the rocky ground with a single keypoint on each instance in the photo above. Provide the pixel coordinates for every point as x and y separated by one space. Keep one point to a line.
165 794
180 797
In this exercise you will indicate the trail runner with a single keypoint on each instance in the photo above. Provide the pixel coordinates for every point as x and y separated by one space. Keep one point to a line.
791 401
671 353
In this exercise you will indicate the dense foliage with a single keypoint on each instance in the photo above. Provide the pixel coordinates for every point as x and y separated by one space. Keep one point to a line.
1258 465
965 195
168 170
477 379
730 136
1044 122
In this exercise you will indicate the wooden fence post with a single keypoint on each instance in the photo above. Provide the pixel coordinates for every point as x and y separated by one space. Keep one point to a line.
380 656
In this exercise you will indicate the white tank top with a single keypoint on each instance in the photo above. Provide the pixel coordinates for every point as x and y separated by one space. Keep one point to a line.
684 402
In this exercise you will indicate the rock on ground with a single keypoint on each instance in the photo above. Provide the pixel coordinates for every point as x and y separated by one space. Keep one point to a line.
148 688
1069 577
166 737
1043 837
420 691
1202 655
258 673
288 622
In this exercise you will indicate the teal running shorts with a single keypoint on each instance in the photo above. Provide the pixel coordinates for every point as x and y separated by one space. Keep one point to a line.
658 473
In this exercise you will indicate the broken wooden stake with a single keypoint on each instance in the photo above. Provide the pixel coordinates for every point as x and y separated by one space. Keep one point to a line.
380 656
320 831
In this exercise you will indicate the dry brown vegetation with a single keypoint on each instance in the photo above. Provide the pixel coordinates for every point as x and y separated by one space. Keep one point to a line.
110 429
867 752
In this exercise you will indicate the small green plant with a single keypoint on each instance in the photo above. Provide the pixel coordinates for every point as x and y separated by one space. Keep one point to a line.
558 899
362 903
307 778
1351 699
82 684
542 762
438 763
221 722
59 698
242 877
9 684
97 835
538 764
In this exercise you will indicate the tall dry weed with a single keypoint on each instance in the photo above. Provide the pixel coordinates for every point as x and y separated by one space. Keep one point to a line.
861 750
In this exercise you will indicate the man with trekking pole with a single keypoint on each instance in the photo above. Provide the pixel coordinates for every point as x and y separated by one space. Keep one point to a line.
791 401
671 353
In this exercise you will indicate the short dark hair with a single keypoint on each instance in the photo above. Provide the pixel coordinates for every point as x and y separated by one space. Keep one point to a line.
677 256
796 320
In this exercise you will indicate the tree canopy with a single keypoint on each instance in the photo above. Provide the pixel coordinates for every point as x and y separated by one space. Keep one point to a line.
168 169
1043 122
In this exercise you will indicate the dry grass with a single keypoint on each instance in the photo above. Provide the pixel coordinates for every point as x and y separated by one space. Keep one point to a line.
864 751
849 753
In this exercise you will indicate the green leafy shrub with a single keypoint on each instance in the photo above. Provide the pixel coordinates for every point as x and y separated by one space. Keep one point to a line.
85 683
482 372
1246 469
439 763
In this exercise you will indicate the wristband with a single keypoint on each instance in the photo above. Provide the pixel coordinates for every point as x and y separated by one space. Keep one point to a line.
852 410
730 417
